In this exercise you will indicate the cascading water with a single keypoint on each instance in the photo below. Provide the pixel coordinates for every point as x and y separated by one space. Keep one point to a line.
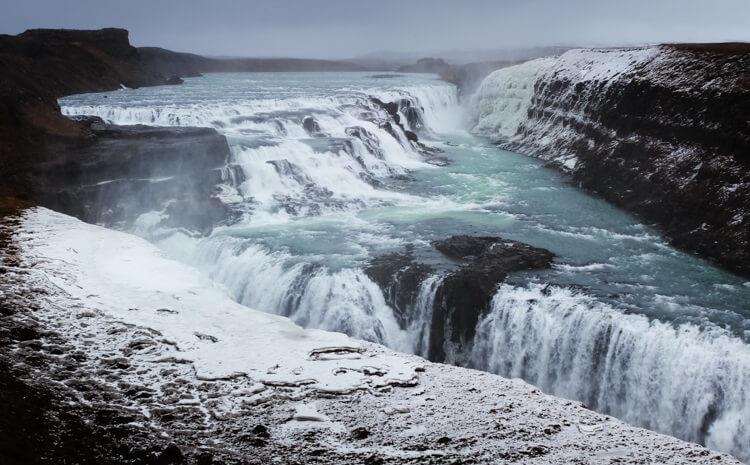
319 152
687 381
322 179
419 328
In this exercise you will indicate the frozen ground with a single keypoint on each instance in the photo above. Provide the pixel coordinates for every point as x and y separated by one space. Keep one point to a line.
228 384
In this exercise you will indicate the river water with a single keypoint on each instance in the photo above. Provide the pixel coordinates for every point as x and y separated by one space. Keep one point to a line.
320 185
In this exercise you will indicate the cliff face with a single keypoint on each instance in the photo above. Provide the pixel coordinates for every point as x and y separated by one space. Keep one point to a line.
39 66
662 131
97 172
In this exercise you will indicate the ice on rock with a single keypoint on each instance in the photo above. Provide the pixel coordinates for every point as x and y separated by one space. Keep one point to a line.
308 412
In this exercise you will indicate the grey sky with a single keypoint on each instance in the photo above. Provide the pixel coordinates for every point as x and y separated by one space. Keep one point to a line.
339 28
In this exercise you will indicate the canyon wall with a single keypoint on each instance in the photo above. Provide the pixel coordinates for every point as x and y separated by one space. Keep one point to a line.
662 132
100 173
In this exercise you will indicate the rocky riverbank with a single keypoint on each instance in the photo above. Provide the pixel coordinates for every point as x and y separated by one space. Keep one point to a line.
659 131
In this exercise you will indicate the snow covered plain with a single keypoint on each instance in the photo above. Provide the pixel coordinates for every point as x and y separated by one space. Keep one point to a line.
237 385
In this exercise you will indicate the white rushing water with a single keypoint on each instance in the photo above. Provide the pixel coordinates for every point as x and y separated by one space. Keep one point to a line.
682 380
658 338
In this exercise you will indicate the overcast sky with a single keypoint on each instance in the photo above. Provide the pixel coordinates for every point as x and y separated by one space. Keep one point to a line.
346 28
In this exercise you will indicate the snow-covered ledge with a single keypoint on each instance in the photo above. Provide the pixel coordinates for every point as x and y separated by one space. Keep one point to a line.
225 382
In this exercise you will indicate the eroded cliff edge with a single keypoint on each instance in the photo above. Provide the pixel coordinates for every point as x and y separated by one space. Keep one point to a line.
95 171
663 132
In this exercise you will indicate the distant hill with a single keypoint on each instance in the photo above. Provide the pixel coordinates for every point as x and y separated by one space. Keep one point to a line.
393 60
187 64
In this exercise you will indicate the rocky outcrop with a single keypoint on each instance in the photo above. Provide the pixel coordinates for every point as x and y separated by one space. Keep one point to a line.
408 118
466 285
465 294
100 173
400 277
660 131
39 66
116 173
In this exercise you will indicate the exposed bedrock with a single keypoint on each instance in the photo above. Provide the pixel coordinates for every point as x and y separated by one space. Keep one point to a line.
41 65
662 132
411 115
100 173
461 295
116 173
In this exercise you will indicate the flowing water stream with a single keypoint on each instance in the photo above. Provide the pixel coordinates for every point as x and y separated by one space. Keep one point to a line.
322 181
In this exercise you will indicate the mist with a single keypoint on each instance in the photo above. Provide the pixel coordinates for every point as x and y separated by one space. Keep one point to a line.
345 29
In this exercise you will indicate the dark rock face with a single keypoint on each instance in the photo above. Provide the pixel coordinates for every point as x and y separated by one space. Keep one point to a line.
98 172
311 126
494 252
406 107
465 294
412 114
479 264
369 140
414 120
118 172
170 63
399 276
667 140
39 66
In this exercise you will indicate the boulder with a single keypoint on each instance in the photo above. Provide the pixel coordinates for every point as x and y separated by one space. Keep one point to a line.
473 269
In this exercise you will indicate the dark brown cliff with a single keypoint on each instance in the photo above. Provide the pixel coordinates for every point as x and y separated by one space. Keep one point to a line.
663 132
100 173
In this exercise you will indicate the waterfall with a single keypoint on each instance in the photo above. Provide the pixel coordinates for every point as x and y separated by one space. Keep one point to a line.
512 105
303 167
500 105
419 326
300 157
305 155
691 382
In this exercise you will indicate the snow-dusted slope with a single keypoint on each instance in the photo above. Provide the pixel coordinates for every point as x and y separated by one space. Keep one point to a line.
183 363
662 131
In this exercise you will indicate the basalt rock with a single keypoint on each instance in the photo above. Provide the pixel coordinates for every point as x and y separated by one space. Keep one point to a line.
473 269
115 173
400 277
311 126
81 166
414 120
465 294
